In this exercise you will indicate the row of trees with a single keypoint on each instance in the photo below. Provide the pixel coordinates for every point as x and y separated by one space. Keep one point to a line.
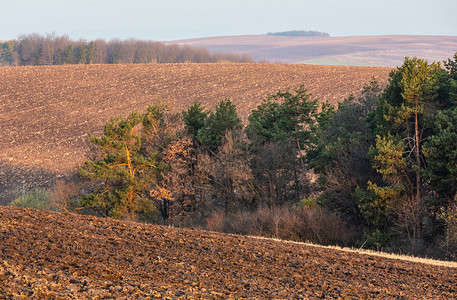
299 33
49 49
385 162
204 161
389 161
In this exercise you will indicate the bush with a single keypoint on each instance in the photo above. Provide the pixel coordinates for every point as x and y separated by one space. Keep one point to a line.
63 197
450 242
310 224
37 198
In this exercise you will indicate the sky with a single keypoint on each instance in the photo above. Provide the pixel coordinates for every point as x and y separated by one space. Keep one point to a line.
167 20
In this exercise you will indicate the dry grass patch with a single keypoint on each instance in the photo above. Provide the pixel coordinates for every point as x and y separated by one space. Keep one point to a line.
428 261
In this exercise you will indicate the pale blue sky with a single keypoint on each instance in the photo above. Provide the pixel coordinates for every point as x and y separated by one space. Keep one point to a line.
179 19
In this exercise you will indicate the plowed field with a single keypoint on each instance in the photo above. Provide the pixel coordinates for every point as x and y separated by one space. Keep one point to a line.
68 256
377 50
47 111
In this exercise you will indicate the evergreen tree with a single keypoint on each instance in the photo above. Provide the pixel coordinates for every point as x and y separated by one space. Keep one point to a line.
284 115
194 119
451 66
68 55
37 56
122 174
82 53
58 57
7 52
339 155
91 53
279 131
402 125
216 125
441 156
441 147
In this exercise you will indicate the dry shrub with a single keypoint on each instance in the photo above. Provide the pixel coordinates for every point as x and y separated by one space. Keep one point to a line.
327 228
217 222
450 242
65 195
311 224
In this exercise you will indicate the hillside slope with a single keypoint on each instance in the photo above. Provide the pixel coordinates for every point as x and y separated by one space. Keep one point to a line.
46 112
55 255
347 50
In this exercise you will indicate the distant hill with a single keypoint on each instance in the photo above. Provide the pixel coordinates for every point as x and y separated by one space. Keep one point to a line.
387 51
298 33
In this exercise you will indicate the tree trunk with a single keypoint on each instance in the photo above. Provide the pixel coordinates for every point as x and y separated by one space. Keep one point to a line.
271 192
129 164
417 225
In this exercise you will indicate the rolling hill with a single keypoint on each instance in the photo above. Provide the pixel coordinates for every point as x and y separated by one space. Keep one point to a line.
350 50
46 255
46 112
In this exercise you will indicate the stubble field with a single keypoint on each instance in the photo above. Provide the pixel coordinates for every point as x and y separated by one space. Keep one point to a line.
46 112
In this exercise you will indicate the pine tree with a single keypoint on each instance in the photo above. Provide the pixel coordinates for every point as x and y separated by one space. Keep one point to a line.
216 125
120 177
402 127
341 143
69 56
279 131
194 119
82 55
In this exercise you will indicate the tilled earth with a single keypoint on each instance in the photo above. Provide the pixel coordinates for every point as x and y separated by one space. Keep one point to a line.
46 112
69 256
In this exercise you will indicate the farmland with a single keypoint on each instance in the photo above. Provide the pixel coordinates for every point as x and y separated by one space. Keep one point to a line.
63 255
387 50
46 112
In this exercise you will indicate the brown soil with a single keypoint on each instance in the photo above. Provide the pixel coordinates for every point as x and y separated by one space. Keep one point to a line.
47 111
68 256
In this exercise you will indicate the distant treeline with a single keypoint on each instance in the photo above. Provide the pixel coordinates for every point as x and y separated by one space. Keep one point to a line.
49 49
299 33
